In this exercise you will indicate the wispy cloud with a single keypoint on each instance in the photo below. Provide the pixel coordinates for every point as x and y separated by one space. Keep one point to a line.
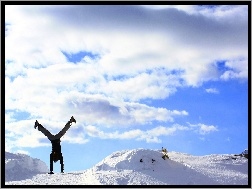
212 90
236 69
211 11
150 136
203 129
22 134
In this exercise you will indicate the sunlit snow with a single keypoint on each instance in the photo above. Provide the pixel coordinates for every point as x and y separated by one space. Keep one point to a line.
124 168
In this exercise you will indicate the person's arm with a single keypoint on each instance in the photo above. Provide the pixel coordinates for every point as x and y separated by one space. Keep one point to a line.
64 130
43 130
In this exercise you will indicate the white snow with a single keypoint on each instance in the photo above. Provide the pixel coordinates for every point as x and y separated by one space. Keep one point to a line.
124 168
21 166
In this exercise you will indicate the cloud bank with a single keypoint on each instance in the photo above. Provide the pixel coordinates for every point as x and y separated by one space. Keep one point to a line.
142 53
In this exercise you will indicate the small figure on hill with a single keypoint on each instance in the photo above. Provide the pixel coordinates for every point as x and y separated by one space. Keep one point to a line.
165 153
55 140
243 154
141 160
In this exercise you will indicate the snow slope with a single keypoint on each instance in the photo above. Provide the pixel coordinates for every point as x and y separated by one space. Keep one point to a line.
21 166
124 168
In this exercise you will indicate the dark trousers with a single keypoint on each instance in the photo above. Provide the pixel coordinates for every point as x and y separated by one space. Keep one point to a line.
59 157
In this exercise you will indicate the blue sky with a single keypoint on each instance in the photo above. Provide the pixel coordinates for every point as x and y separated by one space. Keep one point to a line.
132 76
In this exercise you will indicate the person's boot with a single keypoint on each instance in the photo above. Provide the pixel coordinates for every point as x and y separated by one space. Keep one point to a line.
72 119
36 124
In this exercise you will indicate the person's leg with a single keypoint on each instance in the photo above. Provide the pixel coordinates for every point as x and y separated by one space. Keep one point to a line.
51 163
63 131
44 130
62 163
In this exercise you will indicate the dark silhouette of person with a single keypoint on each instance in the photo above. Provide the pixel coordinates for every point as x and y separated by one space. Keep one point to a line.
165 153
55 140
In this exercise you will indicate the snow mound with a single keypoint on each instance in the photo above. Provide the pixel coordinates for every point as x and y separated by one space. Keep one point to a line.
21 166
130 160
125 168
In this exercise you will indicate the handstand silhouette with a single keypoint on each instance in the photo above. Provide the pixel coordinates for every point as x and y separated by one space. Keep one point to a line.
55 140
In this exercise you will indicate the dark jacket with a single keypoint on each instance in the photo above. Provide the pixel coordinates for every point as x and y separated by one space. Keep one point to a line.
56 147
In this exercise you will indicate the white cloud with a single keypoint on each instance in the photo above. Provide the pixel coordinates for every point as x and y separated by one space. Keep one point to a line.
225 12
144 54
203 129
87 109
150 136
187 8
238 69
158 46
212 90
52 104
76 140
145 114
21 134
155 85
176 112
217 12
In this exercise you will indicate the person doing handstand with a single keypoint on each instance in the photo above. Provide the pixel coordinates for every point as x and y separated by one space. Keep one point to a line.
55 140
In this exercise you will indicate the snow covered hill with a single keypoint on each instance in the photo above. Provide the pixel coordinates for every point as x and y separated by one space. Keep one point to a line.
124 168
21 166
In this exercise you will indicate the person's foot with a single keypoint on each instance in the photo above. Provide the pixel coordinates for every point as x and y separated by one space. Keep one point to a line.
51 172
72 119
36 124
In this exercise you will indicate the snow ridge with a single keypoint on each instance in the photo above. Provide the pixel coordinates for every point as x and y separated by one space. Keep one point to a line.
21 166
